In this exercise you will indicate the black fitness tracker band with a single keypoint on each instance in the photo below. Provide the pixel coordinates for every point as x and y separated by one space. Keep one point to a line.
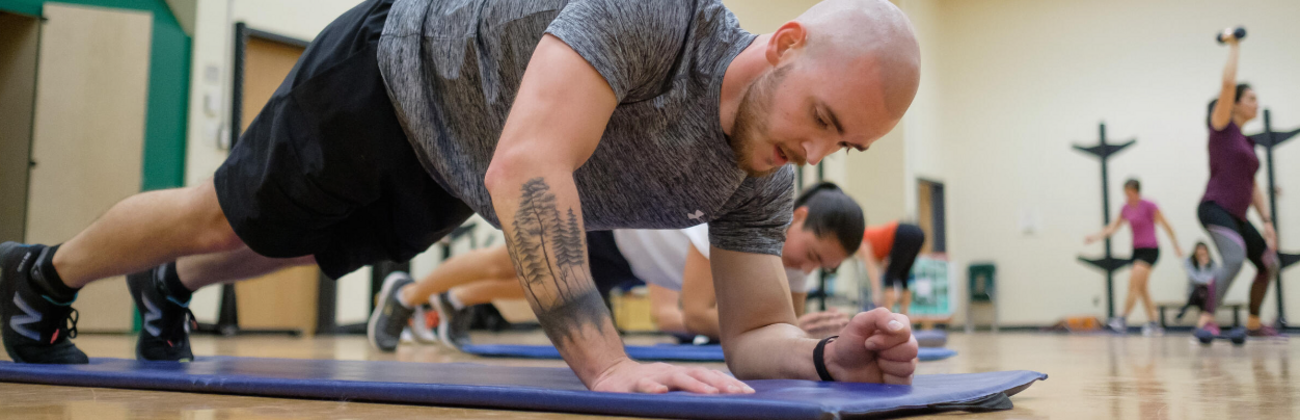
819 359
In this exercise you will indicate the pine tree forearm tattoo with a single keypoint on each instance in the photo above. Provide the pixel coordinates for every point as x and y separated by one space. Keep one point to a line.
550 256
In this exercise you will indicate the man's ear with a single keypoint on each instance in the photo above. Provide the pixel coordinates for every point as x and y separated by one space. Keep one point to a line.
786 42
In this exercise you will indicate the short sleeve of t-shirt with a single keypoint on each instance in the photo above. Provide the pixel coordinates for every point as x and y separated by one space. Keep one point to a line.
631 43
757 215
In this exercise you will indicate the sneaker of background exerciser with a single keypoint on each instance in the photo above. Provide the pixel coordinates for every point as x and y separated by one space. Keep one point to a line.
453 324
384 330
165 323
35 329
1152 329
1118 324
1265 331
424 324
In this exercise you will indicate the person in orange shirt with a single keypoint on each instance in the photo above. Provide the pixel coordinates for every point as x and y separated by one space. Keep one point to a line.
894 245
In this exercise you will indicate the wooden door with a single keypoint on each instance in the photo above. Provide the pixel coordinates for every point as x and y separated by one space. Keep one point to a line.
88 137
19 41
286 299
930 209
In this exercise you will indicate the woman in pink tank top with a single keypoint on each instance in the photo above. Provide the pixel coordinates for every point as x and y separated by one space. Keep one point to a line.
1141 216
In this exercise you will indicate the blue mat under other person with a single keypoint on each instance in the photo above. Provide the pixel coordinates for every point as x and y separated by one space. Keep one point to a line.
527 388
664 352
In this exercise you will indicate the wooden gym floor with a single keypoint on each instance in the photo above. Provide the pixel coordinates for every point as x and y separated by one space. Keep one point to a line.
1091 376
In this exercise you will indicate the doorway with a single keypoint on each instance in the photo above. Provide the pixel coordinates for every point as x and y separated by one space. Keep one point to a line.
930 209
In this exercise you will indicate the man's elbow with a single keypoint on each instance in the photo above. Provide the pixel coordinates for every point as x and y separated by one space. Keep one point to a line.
511 168
499 174
740 365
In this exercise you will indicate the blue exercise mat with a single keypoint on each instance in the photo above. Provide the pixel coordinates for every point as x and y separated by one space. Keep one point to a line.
666 352
527 388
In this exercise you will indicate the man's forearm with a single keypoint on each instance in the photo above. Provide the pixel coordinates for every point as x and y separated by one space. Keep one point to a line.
776 351
545 236
760 334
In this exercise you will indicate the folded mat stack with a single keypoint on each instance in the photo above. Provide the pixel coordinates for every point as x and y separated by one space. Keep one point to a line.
527 388
931 338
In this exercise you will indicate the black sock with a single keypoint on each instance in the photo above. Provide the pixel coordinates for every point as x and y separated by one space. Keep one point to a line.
172 286
47 279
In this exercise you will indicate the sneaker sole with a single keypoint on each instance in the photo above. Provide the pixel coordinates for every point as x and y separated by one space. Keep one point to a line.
372 323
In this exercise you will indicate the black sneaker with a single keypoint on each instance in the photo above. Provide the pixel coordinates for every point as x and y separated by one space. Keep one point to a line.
164 334
385 327
453 324
35 328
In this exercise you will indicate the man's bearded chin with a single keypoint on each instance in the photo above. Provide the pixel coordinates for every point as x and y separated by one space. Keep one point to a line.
749 126
743 145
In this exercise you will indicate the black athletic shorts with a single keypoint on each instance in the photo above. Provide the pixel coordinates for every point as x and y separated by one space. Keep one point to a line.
1147 255
326 170
908 240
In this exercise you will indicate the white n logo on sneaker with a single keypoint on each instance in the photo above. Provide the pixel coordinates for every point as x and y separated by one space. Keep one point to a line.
19 322
154 314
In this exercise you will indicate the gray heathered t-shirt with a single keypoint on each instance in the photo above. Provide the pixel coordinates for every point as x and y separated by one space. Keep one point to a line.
453 68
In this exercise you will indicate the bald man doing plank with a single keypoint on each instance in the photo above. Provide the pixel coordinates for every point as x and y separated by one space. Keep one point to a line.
548 118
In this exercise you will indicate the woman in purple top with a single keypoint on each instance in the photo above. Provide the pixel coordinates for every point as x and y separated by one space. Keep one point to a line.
1141 216
1230 193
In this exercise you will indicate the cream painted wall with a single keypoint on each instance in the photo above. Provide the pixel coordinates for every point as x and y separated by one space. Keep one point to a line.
763 16
1016 82
923 153
875 178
